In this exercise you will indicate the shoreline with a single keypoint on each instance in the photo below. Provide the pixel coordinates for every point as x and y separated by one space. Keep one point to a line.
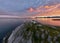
15 30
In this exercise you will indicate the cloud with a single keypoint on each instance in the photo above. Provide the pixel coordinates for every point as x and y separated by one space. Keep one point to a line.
48 10
18 5
22 7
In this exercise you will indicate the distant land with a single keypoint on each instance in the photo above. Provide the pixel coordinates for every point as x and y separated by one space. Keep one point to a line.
27 17
14 17
47 17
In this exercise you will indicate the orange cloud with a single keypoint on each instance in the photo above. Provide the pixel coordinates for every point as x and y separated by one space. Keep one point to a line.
49 10
40 8
46 10
47 7
31 10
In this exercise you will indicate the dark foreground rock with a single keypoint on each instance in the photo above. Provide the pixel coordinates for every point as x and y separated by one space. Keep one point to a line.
34 32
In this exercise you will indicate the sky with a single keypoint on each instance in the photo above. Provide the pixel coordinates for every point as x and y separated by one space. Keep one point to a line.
24 7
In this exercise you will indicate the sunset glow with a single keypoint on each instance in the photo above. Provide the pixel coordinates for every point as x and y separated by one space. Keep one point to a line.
45 11
49 10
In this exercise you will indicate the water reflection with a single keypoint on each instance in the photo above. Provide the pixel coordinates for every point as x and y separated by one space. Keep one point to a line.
49 21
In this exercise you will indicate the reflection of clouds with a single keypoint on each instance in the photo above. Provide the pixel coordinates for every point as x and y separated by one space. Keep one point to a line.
49 21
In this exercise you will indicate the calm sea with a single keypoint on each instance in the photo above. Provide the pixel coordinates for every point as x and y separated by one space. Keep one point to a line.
7 25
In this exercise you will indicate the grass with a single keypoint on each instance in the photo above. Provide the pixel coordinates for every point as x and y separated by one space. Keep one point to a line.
38 33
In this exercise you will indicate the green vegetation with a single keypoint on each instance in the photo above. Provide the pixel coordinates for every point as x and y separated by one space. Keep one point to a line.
39 33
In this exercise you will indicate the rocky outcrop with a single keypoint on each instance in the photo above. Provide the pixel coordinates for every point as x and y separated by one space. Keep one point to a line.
28 31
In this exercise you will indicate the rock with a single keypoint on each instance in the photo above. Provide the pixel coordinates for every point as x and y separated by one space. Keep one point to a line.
30 28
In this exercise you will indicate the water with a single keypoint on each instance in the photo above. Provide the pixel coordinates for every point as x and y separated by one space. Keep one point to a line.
7 25
49 21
